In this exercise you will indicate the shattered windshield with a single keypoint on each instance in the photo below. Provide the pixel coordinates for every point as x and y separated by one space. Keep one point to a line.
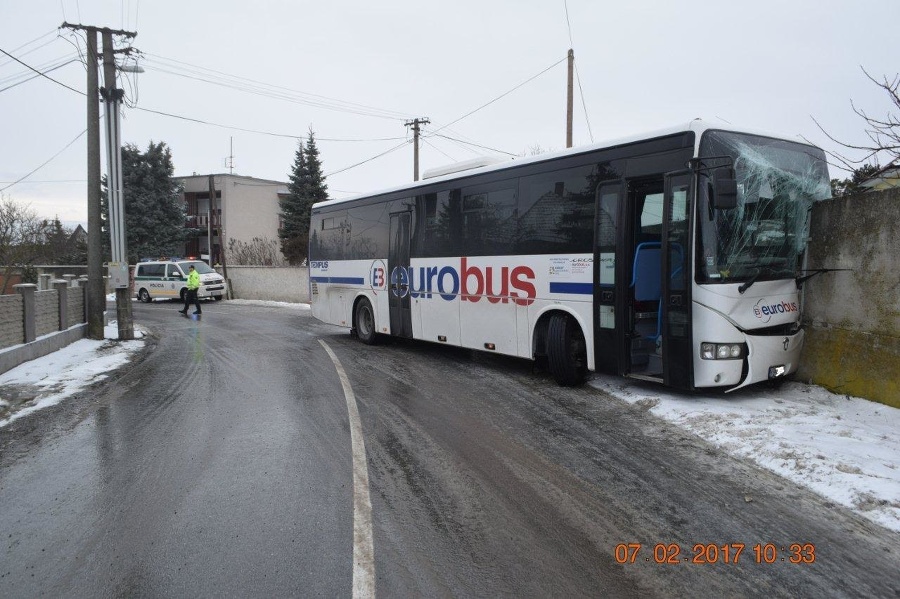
764 236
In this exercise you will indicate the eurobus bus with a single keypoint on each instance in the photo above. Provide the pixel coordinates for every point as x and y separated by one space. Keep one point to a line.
673 257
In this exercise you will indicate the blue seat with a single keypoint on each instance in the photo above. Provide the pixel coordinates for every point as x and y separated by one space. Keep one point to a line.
646 279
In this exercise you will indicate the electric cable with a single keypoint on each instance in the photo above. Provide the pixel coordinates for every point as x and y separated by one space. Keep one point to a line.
77 137
468 114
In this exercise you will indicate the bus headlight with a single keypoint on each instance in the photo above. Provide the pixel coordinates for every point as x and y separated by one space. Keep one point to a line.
722 351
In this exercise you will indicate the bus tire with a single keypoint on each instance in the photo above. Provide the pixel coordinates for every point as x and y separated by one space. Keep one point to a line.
144 296
364 321
566 350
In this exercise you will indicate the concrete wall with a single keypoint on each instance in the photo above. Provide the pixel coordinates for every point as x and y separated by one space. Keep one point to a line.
852 317
35 323
12 325
273 283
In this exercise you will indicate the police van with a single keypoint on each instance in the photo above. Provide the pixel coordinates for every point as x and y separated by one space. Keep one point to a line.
168 279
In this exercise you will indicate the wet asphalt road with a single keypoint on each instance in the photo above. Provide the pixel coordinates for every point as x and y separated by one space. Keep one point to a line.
219 465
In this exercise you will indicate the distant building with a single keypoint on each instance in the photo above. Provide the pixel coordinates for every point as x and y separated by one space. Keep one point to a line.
886 178
244 208
79 235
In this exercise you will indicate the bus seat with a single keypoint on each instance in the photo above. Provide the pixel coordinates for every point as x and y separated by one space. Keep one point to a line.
646 281
646 273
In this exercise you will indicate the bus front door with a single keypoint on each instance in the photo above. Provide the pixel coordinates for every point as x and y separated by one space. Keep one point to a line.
675 329
398 266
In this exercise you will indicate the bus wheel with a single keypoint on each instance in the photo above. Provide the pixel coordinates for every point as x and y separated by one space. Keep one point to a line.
566 350
364 322
144 296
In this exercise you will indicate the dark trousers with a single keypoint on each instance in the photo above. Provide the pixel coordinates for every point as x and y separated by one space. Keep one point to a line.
191 297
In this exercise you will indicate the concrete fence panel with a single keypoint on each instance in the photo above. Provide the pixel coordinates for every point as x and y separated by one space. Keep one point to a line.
75 305
46 312
12 325
272 283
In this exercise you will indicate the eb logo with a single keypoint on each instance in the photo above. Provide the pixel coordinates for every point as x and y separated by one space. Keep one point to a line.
377 277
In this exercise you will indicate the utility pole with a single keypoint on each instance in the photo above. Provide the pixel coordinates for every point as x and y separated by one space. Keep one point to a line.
96 296
415 123
212 219
569 99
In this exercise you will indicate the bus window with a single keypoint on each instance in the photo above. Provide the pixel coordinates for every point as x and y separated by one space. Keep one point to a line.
556 212
489 219
368 231
439 219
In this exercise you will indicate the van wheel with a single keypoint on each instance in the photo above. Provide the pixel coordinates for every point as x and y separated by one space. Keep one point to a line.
364 322
144 296
219 298
566 350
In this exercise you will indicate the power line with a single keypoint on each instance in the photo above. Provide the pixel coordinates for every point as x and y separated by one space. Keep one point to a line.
257 131
583 103
46 70
253 86
47 43
568 24
439 150
468 114
45 163
42 74
397 147
473 144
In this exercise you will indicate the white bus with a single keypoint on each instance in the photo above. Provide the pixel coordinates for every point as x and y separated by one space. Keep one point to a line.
673 257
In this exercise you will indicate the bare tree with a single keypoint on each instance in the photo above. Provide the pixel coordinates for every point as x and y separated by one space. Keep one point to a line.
260 251
22 235
883 133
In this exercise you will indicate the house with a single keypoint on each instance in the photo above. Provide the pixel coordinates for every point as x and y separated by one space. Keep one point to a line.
78 236
244 208
885 178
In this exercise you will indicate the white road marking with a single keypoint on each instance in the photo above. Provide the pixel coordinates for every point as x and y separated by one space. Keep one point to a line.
363 546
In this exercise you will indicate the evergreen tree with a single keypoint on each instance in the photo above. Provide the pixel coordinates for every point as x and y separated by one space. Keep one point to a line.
154 212
306 187
60 248
852 185
292 228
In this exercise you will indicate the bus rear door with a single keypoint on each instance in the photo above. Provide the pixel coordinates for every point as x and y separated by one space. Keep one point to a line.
398 266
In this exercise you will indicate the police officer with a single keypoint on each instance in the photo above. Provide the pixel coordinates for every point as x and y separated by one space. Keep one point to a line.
193 284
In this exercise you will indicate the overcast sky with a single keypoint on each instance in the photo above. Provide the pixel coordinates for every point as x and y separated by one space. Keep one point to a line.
356 70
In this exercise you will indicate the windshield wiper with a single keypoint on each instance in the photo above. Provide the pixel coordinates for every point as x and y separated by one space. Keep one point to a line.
818 271
746 285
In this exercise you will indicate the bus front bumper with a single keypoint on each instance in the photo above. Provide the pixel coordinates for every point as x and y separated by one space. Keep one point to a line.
771 357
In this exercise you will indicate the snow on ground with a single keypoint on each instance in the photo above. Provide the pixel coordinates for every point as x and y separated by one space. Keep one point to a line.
844 448
47 381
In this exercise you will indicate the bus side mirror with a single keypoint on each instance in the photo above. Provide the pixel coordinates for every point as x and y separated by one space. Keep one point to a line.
724 189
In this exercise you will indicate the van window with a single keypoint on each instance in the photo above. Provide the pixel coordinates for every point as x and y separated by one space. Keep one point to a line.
172 271
151 270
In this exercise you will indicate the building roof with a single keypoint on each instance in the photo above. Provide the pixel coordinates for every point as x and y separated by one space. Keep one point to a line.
885 178
231 176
